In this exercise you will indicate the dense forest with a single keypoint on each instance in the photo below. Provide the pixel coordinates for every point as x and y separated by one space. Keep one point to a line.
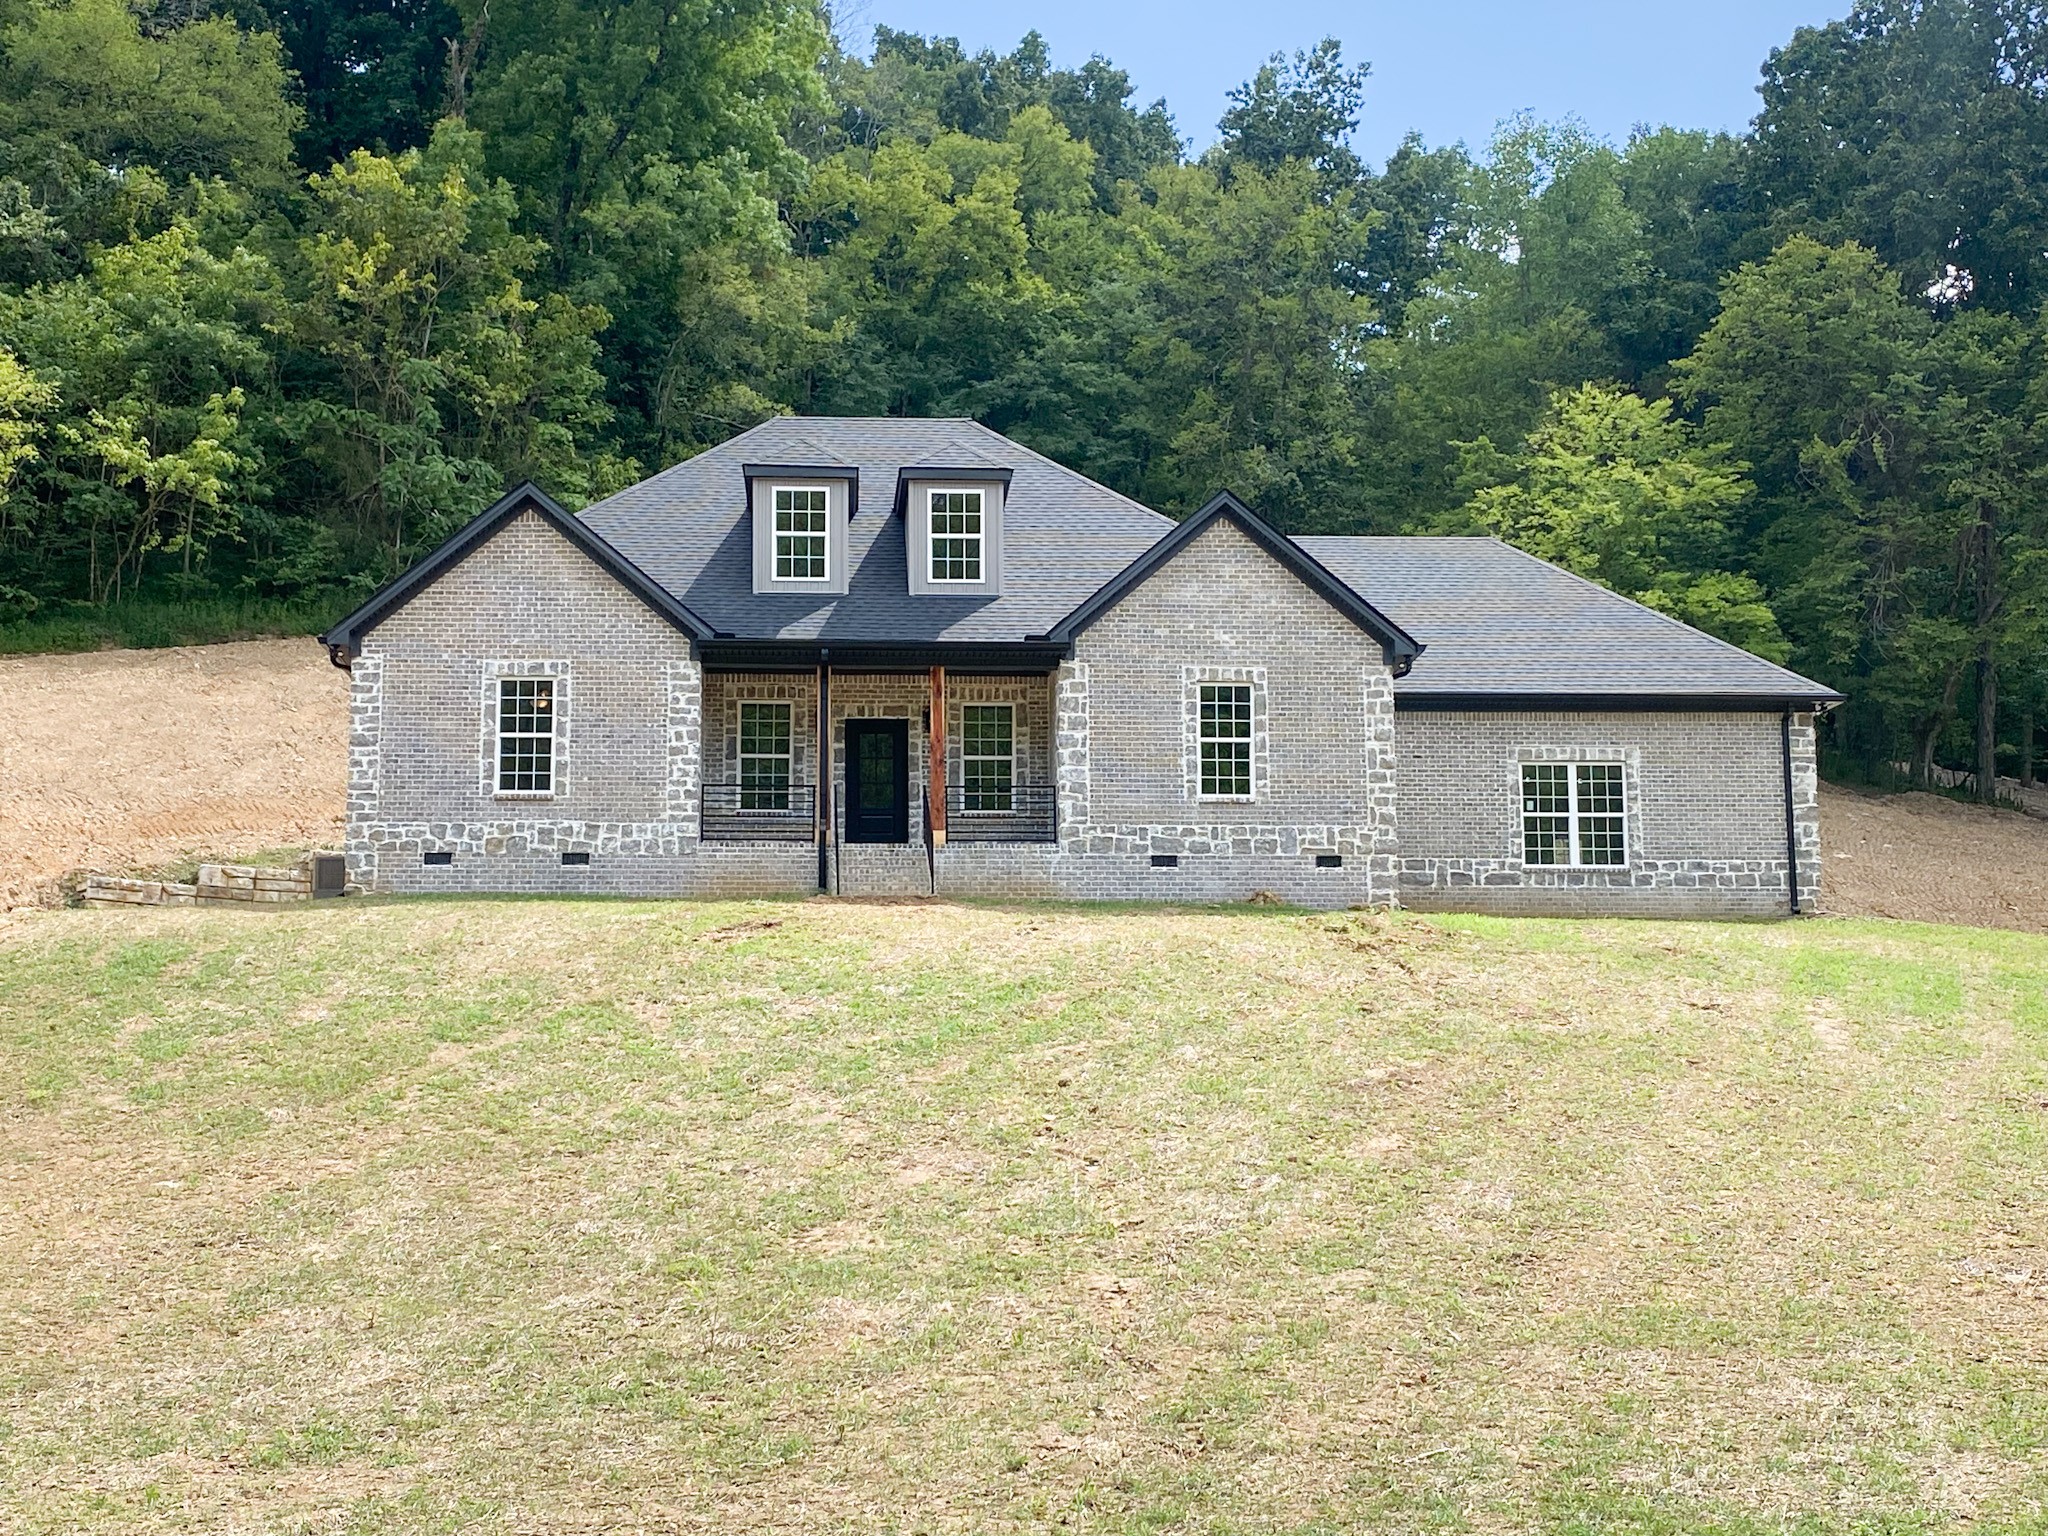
291 288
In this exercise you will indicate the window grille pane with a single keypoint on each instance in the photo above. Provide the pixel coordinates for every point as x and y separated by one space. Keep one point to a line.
1546 813
987 742
1226 740
526 735
764 756
799 534
1600 840
1600 789
956 535
1546 791
1546 840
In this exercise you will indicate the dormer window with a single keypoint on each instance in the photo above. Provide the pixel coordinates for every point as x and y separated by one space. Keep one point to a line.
801 514
956 535
953 529
801 534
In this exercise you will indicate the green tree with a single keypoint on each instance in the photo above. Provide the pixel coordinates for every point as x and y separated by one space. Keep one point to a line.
440 379
372 74
1303 109
202 99
1814 374
1615 488
1918 128
643 143
150 354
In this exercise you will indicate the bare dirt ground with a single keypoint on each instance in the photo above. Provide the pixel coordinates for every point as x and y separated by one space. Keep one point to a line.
1933 860
129 759
125 760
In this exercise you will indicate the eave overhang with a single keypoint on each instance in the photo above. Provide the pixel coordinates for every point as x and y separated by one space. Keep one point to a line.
846 472
968 474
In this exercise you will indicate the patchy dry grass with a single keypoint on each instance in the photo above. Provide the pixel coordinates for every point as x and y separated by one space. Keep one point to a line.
546 1217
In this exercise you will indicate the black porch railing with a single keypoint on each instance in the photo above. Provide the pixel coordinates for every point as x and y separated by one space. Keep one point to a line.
1023 813
754 813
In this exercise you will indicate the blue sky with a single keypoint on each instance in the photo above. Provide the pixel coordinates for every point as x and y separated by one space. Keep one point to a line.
1451 70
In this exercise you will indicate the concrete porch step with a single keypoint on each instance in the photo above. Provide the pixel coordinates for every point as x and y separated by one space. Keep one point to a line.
883 869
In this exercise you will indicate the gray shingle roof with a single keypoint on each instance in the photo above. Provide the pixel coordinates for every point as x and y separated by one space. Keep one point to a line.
1493 621
1063 535
1497 621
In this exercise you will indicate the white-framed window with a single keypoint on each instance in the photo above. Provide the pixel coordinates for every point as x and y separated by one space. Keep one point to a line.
956 534
1225 741
1574 815
526 735
800 536
764 756
988 739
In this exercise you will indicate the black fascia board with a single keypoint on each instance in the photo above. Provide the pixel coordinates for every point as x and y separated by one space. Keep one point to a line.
971 474
1450 701
881 655
846 472
347 636
1400 647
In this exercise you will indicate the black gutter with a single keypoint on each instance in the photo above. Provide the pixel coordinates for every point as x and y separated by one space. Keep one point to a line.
1442 702
807 655
1791 821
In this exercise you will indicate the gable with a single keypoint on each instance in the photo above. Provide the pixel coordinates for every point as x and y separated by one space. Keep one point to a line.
1225 519
527 505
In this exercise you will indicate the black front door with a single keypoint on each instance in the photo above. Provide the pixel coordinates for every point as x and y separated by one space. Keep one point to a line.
878 781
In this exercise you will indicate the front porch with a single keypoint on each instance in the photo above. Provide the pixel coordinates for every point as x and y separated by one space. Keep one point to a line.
878 770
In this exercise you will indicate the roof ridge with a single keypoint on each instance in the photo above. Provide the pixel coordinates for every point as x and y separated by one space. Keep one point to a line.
1065 469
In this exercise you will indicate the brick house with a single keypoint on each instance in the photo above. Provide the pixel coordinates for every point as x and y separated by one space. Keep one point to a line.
898 656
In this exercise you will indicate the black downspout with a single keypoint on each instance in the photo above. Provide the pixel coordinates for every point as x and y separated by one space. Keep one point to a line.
1791 824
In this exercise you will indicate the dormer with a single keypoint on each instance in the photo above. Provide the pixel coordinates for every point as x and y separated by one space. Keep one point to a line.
800 514
953 528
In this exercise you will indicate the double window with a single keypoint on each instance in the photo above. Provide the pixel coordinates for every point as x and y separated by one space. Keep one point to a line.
956 535
526 735
1226 741
799 534
1573 815
987 760
764 757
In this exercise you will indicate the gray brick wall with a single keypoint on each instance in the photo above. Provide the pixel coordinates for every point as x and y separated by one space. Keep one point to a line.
1705 798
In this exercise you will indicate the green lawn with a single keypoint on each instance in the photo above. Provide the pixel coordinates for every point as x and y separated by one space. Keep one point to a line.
820 1217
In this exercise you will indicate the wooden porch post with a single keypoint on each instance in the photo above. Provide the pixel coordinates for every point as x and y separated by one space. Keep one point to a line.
821 793
935 778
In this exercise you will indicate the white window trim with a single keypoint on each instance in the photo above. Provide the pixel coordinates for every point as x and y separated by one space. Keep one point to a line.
1191 681
1626 758
775 534
931 538
1015 781
496 672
